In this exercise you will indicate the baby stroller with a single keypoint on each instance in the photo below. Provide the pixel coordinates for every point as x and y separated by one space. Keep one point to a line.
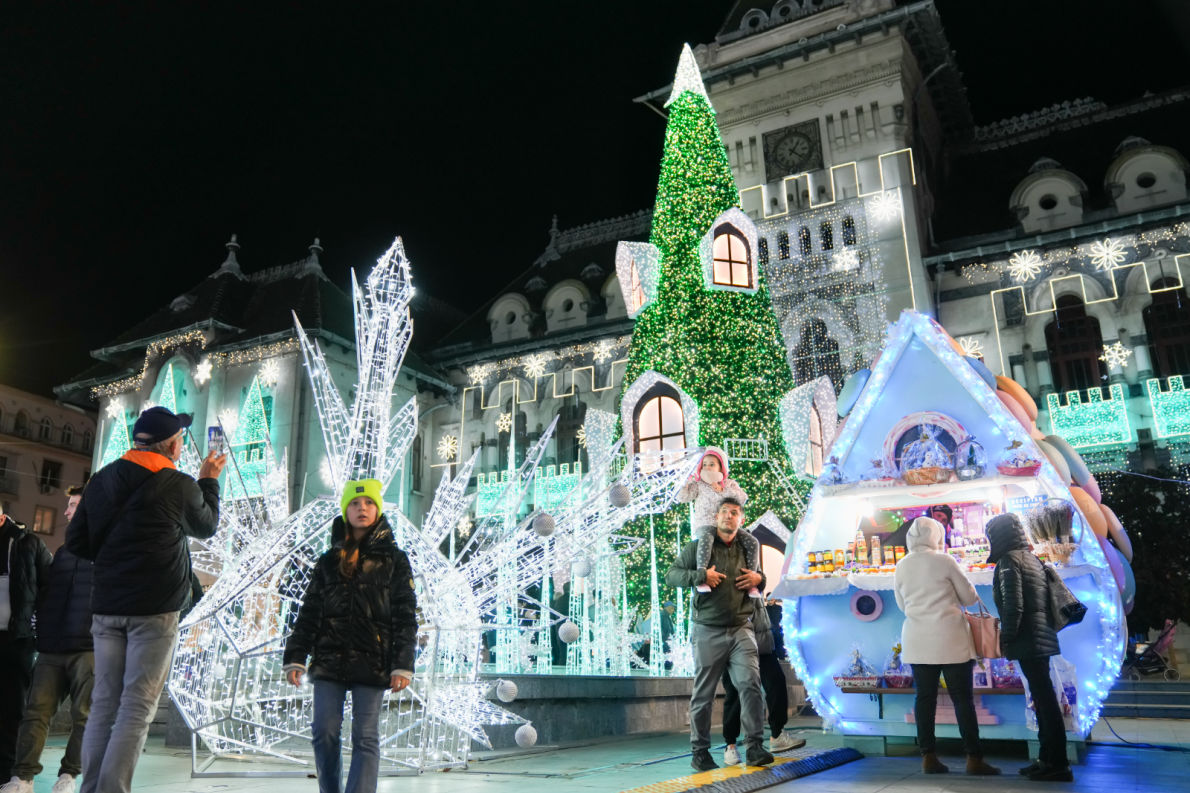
1152 659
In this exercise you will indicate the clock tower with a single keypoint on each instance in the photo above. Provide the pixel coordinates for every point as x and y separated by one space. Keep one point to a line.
833 114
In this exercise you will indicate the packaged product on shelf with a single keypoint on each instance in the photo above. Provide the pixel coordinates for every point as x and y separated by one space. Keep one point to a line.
877 552
890 555
900 552
861 548
980 676
849 555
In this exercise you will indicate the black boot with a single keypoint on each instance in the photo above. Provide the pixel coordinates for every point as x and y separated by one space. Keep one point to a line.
1052 773
757 755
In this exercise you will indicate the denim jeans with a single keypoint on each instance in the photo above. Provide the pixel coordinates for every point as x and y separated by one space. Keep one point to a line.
55 677
329 696
132 658
958 685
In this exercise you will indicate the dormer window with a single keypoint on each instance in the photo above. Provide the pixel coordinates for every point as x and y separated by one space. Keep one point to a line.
636 290
732 259
660 425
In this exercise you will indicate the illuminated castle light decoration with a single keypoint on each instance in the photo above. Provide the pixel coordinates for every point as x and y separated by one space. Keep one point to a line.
226 677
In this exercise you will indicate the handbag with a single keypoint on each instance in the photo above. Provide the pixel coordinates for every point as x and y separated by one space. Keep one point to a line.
1065 609
985 632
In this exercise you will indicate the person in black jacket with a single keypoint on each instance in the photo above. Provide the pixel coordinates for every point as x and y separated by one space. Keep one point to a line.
1027 636
134 522
359 620
24 563
65 667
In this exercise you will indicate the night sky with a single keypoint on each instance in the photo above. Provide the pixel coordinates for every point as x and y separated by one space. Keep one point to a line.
136 137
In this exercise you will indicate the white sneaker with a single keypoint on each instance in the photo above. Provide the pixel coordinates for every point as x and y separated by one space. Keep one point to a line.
17 785
784 742
731 756
65 784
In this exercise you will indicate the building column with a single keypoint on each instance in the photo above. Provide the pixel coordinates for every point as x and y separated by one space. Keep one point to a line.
1144 366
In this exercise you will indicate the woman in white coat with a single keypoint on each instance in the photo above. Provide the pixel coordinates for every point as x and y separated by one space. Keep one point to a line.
931 590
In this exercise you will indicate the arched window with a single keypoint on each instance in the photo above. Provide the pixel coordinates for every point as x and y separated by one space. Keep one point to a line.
783 245
45 430
20 425
88 440
762 250
827 233
660 423
732 260
817 354
637 291
68 435
1167 323
803 239
1074 344
848 230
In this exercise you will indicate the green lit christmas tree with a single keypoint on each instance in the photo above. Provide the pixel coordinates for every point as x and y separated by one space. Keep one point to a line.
250 445
118 441
723 348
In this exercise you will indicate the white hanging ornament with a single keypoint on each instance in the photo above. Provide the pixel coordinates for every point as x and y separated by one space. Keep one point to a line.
526 736
568 632
506 691
619 496
582 568
544 524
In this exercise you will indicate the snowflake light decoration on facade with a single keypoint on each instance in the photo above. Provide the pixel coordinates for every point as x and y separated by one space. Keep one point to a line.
504 423
270 373
846 259
581 436
448 447
229 419
202 372
465 525
885 206
972 346
115 409
481 372
534 365
1115 354
1024 265
1107 254
604 350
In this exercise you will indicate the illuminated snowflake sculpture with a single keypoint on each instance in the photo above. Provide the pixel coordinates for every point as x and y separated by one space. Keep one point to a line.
846 259
1107 254
885 206
972 346
1024 265
448 447
534 365
226 677
202 372
1115 354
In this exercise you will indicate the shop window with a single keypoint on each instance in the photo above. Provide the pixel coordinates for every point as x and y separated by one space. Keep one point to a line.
1074 344
849 230
43 520
659 421
817 354
1167 323
732 261
783 245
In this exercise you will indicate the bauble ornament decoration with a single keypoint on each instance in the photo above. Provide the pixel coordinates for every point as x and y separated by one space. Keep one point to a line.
526 736
544 524
568 632
506 691
619 496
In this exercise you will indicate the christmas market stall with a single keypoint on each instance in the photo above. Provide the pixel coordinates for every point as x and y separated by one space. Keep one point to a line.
929 430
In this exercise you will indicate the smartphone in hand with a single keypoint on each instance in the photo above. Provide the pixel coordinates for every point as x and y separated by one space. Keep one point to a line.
216 441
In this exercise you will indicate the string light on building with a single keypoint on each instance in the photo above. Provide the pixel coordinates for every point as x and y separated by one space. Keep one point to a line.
581 436
1024 265
885 206
448 447
481 372
504 423
1115 354
270 373
1107 253
202 372
534 365
846 259
604 350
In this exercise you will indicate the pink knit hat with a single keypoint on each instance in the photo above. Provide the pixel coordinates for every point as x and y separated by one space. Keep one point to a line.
716 452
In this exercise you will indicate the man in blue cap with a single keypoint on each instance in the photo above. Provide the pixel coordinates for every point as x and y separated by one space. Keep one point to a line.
134 522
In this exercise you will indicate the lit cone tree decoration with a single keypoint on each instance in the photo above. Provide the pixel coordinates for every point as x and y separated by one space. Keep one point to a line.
723 348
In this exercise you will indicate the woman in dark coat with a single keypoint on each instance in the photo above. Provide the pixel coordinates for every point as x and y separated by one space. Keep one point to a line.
359 620
1027 636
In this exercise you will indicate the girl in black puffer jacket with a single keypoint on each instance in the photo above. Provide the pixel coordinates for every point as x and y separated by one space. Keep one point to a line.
358 619
1027 636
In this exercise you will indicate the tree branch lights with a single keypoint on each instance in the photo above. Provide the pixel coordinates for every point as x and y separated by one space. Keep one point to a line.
722 349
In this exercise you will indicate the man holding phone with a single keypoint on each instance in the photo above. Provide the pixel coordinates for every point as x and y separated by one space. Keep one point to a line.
134 522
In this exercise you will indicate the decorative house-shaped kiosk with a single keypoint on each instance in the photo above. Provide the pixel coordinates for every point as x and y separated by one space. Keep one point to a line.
921 386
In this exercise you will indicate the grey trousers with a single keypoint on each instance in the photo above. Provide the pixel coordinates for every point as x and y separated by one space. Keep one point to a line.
132 659
55 677
733 649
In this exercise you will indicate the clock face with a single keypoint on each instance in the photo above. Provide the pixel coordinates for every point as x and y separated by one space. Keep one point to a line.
792 150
